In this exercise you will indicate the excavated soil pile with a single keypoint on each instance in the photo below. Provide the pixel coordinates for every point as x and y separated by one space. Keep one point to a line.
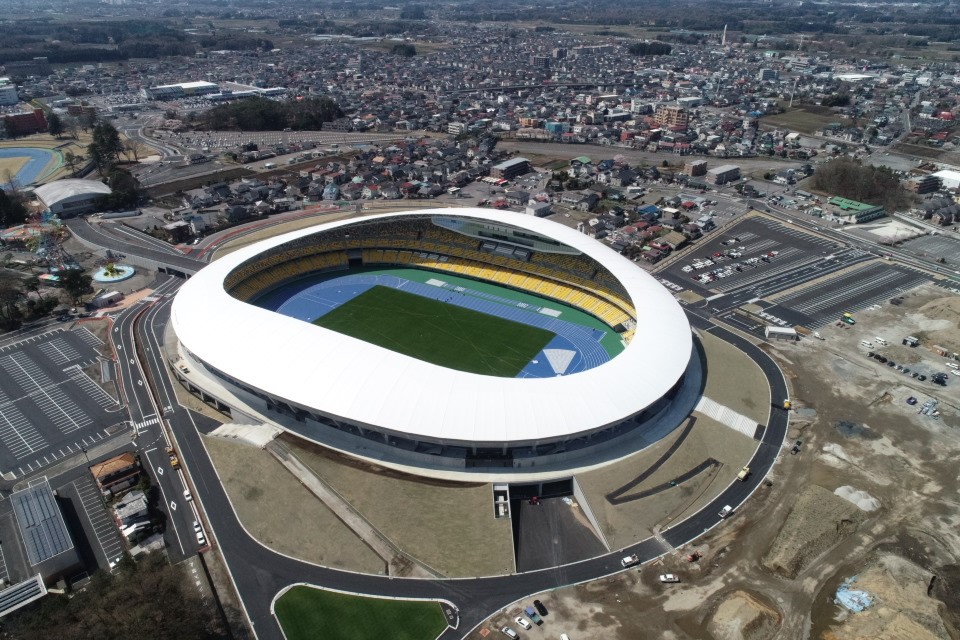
819 519
743 616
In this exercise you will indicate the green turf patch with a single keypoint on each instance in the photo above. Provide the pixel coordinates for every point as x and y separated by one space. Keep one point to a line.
437 332
307 613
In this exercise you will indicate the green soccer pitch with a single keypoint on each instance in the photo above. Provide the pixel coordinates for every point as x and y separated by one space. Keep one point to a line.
437 332
307 613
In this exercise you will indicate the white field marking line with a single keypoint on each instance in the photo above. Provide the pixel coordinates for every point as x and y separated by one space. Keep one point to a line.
47 394
826 299
19 435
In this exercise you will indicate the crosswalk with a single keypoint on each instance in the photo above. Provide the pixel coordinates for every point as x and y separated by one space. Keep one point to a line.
727 416
146 423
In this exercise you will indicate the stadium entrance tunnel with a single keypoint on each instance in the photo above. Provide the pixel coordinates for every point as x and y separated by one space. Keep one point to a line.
548 525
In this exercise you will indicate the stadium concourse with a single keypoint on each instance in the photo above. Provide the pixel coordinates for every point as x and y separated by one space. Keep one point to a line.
467 343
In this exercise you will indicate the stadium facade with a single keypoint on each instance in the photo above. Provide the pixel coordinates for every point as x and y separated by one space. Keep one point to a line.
406 413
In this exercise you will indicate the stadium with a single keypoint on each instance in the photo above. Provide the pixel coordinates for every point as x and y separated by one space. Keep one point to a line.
448 343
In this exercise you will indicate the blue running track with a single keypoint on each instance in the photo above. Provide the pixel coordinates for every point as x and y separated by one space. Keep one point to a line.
316 300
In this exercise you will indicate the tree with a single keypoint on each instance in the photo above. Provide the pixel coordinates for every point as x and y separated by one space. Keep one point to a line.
148 599
106 146
12 209
404 49
55 124
125 190
72 125
131 148
10 295
75 284
73 161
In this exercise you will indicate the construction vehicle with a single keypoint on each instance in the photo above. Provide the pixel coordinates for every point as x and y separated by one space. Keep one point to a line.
787 404
848 320
693 557
174 460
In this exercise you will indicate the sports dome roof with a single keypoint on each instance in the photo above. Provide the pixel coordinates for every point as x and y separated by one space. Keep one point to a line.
364 384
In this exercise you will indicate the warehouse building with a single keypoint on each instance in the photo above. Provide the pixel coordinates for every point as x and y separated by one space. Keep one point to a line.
71 197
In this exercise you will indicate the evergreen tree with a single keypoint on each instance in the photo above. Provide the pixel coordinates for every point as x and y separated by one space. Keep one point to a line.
55 124
12 209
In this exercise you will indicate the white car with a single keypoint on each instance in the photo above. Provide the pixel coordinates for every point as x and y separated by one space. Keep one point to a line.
197 527
523 623
726 511
629 561
510 633
687 269
669 577
200 539
187 495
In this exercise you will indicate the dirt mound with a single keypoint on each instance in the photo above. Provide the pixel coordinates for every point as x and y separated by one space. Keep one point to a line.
744 616
944 333
901 609
817 521
863 500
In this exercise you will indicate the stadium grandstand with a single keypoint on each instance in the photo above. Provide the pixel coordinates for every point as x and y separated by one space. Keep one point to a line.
438 342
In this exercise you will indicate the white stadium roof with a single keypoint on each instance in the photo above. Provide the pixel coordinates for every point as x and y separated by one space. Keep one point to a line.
368 385
54 192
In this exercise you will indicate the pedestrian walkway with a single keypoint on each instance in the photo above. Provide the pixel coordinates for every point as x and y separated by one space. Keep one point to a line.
727 416
379 543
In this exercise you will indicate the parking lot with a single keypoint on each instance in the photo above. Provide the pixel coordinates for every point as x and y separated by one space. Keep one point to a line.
49 407
824 303
755 258
98 525
944 247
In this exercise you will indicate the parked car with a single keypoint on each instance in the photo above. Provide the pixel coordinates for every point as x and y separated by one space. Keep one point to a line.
523 623
669 577
726 511
744 474
187 495
510 633
542 610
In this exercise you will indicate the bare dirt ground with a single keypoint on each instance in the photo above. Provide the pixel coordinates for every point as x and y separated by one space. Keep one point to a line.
858 432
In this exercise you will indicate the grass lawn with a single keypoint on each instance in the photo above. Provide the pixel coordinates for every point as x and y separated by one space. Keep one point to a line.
438 333
306 613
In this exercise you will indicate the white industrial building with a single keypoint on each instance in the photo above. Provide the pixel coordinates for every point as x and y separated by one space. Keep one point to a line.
180 90
948 178
8 93
71 197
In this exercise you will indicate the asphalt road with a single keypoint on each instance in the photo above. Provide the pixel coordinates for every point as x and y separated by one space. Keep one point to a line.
146 415
91 232
260 573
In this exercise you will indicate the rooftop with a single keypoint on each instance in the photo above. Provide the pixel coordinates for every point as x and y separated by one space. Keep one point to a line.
60 190
41 524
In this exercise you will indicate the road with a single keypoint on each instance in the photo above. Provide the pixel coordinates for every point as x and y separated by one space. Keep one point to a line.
260 573
146 415
92 231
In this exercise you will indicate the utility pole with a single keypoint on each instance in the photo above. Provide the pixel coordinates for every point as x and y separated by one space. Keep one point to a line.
794 90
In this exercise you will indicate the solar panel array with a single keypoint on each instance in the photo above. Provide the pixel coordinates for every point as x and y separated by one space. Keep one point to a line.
42 527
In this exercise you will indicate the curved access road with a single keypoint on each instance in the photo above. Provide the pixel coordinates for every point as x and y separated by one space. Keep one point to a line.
90 234
259 573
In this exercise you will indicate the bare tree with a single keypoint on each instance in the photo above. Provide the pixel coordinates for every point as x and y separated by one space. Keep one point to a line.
131 147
